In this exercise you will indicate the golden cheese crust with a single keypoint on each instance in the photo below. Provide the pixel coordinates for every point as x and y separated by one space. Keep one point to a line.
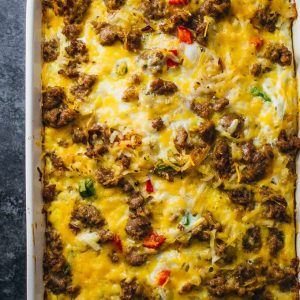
169 146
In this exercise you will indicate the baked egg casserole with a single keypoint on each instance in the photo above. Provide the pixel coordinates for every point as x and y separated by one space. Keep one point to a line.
169 148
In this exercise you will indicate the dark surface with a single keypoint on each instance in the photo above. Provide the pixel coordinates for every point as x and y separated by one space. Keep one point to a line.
12 160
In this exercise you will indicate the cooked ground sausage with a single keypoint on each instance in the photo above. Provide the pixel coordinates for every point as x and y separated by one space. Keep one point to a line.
262 294
154 61
70 70
136 201
135 79
288 144
242 197
219 104
105 235
66 116
232 123
254 172
291 165
114 257
217 285
137 226
227 253
78 50
50 50
58 283
125 161
256 70
201 33
203 110
57 162
97 151
280 54
207 132
57 273
158 124
106 177
73 11
58 117
88 215
135 258
79 136
187 288
108 34
252 239
46 4
265 18
206 108
175 18
275 240
131 290
203 230
215 8
49 192
181 139
248 152
97 132
275 208
222 158
130 94
50 117
126 186
53 261
72 31
55 112
244 272
153 9
200 28
84 85
53 97
285 277
240 281
163 87
133 40
114 4
61 283
258 162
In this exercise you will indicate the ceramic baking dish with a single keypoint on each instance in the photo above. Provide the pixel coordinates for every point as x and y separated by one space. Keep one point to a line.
34 204
34 216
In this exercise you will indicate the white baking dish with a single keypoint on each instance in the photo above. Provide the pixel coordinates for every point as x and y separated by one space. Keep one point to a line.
34 216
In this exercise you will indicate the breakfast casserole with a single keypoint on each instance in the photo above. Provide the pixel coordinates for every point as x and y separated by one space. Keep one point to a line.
169 143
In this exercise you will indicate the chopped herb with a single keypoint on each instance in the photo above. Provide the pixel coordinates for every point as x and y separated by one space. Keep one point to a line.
186 219
258 92
86 188
165 171
121 68
164 168
66 269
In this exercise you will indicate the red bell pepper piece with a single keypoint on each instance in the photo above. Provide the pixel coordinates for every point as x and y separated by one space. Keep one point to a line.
178 2
170 62
184 35
149 186
257 42
117 242
153 241
163 277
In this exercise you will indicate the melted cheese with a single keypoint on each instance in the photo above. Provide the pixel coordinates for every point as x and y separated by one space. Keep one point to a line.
92 270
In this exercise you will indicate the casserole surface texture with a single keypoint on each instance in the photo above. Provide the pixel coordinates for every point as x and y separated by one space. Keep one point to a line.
169 144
